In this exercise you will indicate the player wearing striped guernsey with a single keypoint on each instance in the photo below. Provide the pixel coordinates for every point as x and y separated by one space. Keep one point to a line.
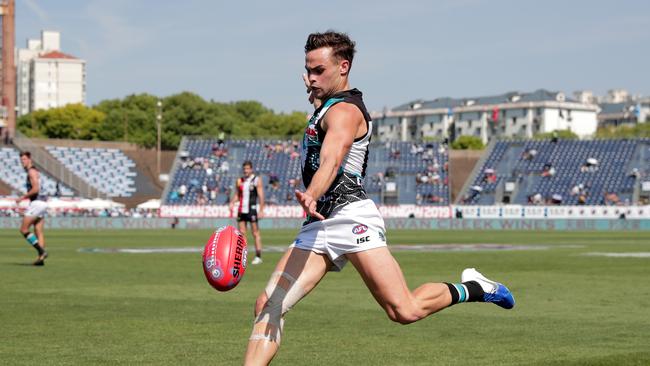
343 225
249 193
35 213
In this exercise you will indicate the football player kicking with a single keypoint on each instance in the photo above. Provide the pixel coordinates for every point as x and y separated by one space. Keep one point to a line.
342 223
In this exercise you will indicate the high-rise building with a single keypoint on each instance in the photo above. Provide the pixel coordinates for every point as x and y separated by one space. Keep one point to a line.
46 77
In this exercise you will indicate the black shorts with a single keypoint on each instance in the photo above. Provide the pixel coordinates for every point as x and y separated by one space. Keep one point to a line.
251 216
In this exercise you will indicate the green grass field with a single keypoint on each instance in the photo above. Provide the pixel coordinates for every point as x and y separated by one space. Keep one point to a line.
116 308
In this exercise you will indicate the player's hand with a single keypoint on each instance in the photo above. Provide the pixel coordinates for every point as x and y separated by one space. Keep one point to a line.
312 99
260 214
308 204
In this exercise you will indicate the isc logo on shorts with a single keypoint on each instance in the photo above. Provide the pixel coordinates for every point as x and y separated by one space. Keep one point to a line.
359 229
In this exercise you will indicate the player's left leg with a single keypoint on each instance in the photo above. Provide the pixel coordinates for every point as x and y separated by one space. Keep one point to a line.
39 226
295 275
258 242
31 238
383 276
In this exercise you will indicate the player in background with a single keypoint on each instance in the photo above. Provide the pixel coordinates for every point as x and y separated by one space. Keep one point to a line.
249 192
35 213
342 223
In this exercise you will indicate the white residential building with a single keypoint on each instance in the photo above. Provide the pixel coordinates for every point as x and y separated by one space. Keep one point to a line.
508 115
47 77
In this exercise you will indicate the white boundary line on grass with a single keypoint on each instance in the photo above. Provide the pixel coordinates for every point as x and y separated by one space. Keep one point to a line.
620 255
395 248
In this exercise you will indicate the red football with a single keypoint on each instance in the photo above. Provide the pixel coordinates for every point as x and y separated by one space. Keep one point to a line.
224 258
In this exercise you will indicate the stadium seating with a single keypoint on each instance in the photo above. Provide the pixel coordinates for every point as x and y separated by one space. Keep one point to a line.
108 170
563 172
417 172
13 174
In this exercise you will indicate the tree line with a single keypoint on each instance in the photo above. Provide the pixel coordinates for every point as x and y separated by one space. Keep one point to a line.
133 119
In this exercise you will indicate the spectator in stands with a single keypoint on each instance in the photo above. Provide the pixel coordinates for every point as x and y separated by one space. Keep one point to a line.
611 198
274 194
227 192
577 189
418 199
536 199
434 178
273 179
590 166
489 176
555 199
224 168
529 154
474 192
548 170
432 198
635 173
173 196
429 155
200 199
182 190
582 198
57 190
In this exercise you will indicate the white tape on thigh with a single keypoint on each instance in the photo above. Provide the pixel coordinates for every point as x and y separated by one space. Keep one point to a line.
283 292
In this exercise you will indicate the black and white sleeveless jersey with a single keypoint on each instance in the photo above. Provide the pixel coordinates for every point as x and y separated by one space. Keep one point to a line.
28 187
348 184
247 187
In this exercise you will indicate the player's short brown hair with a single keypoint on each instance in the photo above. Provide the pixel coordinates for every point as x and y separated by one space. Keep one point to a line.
26 153
342 45
247 163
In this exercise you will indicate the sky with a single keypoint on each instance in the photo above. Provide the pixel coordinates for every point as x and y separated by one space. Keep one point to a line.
406 50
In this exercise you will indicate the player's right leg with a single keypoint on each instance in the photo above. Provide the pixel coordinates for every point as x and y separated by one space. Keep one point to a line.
241 225
384 278
296 274
32 239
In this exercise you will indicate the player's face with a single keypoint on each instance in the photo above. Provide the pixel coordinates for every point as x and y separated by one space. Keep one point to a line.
247 170
25 161
325 72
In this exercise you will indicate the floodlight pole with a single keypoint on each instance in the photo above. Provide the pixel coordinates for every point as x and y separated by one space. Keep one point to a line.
158 123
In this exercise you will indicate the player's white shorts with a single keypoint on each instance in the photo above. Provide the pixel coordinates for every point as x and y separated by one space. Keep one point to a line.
36 208
356 227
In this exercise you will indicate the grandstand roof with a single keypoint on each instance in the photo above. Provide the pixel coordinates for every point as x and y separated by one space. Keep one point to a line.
614 107
539 95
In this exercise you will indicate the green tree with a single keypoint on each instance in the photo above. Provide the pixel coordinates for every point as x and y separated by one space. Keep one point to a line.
133 119
467 143
640 130
73 121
